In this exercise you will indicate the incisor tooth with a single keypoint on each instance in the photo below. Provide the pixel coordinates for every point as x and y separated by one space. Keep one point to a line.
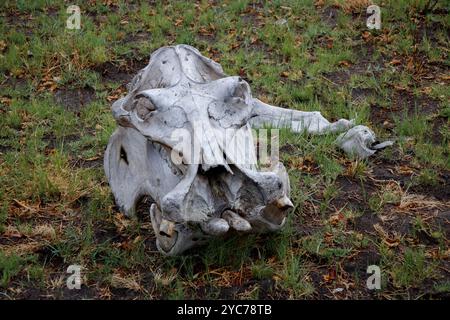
284 203
166 228
235 221
216 226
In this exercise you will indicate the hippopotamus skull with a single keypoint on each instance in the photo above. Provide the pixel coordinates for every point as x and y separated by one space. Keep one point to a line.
185 129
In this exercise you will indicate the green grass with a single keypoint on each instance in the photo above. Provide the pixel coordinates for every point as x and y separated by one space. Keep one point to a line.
51 149
262 271
412 270
293 279
10 266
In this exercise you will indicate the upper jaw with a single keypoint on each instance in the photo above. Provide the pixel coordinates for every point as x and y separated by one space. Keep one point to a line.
201 196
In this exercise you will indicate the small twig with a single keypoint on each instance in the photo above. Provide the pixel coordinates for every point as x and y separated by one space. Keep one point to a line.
325 78
23 205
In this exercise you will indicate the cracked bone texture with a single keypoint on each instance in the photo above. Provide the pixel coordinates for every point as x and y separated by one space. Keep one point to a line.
206 191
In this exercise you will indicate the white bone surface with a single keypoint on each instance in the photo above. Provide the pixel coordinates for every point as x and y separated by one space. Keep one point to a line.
205 191
359 141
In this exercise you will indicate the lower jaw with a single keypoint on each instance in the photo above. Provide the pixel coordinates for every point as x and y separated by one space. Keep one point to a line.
174 238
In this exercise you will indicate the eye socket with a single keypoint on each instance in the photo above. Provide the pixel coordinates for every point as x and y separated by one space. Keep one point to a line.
144 107
239 92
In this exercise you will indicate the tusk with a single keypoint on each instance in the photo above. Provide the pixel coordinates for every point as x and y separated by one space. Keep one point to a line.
235 221
284 203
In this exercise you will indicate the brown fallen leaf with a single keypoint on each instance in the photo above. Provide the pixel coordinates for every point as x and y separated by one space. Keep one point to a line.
178 22
388 125
2 45
23 205
319 3
395 62
344 63
391 242
295 75
355 6
235 45
46 231
328 237
22 248
426 90
116 94
47 83
12 232
105 293
119 281
336 218
400 88
405 170
5 100
387 239
204 31
121 222
330 276
366 36
242 73
410 64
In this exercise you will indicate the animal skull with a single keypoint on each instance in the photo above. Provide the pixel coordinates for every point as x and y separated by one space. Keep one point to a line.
183 128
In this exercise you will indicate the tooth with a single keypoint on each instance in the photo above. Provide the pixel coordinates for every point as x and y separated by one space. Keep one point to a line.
235 221
166 228
164 241
215 226
284 203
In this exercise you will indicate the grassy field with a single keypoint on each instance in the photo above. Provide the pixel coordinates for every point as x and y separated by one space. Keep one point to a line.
393 210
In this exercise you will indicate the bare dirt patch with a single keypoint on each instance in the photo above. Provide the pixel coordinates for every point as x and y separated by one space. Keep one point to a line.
404 106
75 100
122 73
365 65
352 194
96 162
440 191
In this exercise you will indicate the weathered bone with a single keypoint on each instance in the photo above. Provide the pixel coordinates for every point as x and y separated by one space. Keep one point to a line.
183 99
360 142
